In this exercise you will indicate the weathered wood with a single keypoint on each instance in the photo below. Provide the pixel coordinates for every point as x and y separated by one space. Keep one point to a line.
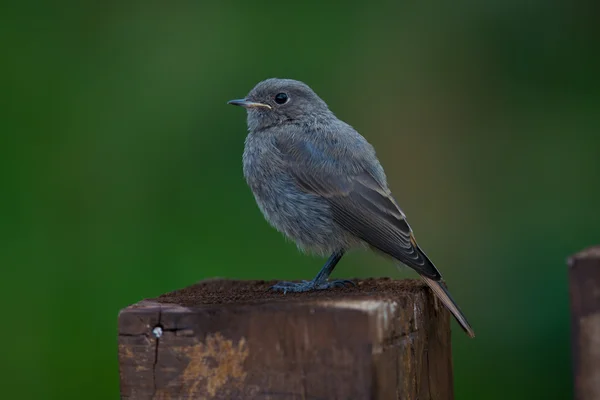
584 286
220 339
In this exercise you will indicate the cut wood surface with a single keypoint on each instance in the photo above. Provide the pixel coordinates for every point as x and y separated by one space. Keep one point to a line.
223 339
584 283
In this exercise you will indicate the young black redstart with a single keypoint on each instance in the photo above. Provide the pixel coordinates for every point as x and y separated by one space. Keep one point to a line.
319 182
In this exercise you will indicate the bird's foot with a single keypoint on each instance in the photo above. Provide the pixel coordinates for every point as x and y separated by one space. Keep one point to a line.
307 286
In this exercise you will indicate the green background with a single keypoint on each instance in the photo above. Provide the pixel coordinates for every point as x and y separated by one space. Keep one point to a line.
121 171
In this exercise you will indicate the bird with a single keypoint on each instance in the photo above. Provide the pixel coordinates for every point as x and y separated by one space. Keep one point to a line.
319 182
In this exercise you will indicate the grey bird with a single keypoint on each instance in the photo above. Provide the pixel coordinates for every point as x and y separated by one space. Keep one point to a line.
319 182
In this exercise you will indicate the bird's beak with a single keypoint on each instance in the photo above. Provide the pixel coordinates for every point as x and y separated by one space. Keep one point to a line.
248 104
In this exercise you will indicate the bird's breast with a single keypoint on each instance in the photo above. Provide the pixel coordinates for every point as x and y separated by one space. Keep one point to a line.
303 217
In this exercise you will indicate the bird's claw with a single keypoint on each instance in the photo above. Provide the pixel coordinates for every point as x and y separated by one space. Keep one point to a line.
285 287
306 286
343 283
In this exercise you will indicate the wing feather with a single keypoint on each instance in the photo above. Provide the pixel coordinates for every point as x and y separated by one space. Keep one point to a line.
359 202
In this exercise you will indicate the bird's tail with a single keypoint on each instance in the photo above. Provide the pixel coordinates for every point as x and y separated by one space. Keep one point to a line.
442 293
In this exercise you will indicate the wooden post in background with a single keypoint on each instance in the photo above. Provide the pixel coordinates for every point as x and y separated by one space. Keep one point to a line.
221 339
584 287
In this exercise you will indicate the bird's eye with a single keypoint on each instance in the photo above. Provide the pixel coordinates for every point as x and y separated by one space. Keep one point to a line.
281 98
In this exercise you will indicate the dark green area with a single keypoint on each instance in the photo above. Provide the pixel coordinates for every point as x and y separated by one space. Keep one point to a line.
121 179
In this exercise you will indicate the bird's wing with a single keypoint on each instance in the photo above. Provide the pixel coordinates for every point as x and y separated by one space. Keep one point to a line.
359 202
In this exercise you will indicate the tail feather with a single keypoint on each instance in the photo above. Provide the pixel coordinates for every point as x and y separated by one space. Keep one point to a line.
442 293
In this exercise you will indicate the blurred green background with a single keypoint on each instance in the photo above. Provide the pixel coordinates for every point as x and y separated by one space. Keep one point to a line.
121 166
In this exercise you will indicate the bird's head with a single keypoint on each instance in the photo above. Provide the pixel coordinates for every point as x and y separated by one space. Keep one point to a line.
279 101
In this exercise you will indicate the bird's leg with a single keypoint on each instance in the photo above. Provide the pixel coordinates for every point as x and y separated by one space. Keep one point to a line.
328 268
320 281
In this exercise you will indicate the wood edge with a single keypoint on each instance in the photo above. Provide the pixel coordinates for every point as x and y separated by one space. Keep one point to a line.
415 283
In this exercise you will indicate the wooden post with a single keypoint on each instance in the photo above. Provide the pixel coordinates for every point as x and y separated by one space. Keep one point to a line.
584 277
221 339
